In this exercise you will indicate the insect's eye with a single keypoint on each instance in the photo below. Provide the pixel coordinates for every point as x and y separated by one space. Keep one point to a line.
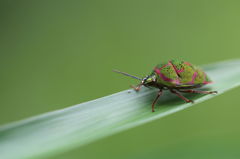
147 79
144 79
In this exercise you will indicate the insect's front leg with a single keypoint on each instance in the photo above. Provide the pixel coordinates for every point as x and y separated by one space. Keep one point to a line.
136 88
155 100
198 91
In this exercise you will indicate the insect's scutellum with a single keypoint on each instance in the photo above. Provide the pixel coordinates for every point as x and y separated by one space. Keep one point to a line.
176 76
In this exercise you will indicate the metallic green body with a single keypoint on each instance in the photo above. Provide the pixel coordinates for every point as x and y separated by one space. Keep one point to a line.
176 73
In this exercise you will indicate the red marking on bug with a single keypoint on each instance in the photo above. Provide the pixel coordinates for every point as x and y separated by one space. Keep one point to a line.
187 63
193 78
206 82
163 66
175 68
179 71
158 71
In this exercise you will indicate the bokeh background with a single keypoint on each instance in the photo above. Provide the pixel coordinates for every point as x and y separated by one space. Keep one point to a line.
54 54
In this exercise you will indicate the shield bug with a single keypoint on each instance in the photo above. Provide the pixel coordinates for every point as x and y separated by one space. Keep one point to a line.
176 76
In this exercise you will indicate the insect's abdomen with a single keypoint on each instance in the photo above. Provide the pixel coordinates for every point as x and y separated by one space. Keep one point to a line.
180 73
190 74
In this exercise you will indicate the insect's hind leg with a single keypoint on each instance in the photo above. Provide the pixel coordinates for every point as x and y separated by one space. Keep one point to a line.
198 91
181 96
155 100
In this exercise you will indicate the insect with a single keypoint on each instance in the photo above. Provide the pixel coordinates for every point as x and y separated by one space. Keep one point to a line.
176 76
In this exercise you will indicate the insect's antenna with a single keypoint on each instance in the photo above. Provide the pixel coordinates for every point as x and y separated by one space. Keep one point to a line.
126 74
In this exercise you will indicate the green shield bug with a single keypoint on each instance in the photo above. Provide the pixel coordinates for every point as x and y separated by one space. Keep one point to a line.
176 76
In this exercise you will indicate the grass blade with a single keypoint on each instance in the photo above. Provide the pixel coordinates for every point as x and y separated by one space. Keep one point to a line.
62 130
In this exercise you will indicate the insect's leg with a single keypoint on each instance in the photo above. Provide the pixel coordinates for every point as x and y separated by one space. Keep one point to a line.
136 88
155 100
198 91
181 96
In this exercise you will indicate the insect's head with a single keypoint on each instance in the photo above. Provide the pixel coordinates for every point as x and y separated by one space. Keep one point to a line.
148 79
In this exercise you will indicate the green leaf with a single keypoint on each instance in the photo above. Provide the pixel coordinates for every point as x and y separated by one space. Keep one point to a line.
61 130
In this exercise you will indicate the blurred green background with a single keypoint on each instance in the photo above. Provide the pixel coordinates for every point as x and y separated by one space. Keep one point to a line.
55 54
